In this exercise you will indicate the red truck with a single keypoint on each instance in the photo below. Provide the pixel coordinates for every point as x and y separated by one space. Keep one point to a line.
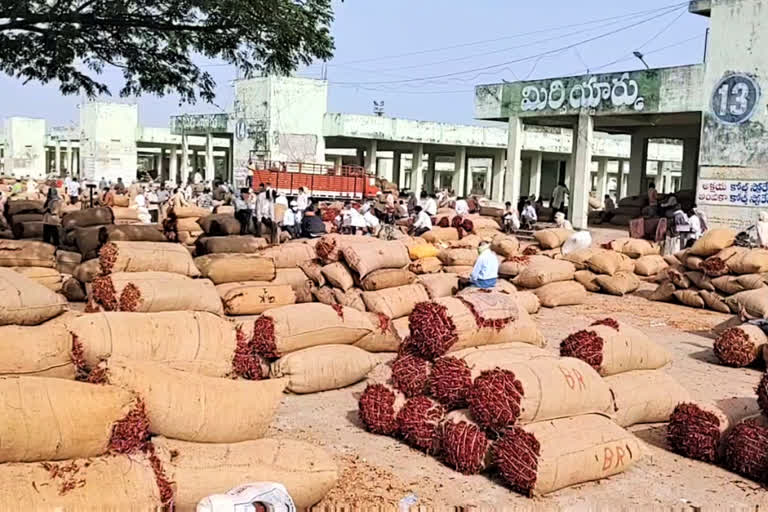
318 180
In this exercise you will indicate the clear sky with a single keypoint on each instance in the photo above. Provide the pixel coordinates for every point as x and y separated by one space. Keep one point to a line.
423 57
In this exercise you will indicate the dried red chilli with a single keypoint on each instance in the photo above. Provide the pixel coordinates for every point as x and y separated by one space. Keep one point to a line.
762 393
163 484
418 422
130 298
714 267
516 456
376 409
99 375
694 432
91 306
734 348
264 338
339 309
746 450
456 222
107 258
103 292
384 322
449 382
432 330
410 374
487 323
464 447
607 245
584 345
523 260
131 434
66 473
494 399
610 322
467 225
530 251
325 247
77 356
443 222
245 362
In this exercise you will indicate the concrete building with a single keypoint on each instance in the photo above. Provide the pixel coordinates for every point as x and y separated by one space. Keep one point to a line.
715 109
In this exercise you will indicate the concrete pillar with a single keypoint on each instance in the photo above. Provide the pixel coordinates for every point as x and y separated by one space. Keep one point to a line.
338 163
497 183
69 156
57 159
210 169
582 163
514 160
370 158
76 163
459 183
429 181
397 176
361 157
638 162
487 183
184 160
602 178
624 170
417 162
195 165
534 185
690 164
161 166
173 166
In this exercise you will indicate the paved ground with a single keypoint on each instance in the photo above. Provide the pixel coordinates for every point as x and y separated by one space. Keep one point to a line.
377 470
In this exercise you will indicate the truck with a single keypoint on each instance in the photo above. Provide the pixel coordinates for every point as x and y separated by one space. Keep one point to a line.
349 182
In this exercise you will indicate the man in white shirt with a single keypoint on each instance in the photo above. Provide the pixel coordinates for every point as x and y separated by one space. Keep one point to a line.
302 200
462 208
529 216
510 218
486 269
371 222
422 223
73 191
428 204
289 220
356 220
141 206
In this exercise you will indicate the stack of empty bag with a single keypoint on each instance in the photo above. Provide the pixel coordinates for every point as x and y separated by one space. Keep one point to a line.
474 388
717 275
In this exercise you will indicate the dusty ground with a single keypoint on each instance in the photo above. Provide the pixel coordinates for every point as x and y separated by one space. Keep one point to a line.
378 470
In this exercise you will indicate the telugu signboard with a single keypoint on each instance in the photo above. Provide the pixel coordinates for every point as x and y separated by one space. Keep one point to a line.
199 124
634 92
752 193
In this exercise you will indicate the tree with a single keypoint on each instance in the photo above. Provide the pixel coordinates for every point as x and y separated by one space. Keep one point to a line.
152 41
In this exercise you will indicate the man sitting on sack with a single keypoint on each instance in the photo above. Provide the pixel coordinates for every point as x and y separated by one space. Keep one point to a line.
486 269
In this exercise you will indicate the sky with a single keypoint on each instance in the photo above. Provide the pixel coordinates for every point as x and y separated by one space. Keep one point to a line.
422 58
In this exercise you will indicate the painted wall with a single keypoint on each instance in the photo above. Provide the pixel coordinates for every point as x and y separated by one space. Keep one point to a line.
733 160
25 147
108 141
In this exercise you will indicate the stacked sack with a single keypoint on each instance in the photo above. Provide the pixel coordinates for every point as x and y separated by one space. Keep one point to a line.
474 388
628 208
614 267
187 228
35 260
25 218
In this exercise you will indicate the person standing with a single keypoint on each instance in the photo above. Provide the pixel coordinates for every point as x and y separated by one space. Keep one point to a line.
486 269
243 211
120 186
653 197
695 223
103 183
558 196
73 191
52 217
177 199
153 205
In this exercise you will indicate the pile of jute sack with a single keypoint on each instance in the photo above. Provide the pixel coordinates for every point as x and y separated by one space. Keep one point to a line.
155 407
473 386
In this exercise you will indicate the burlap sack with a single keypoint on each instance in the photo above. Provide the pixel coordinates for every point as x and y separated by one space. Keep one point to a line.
199 470
330 247
731 285
352 298
579 257
506 245
121 200
22 253
513 267
67 261
89 240
650 265
619 283
501 286
187 224
713 241
37 351
146 256
458 257
153 292
26 302
193 407
125 214
57 419
88 270
483 223
220 224
606 262
644 396
426 266
231 268
111 482
48 277
561 293
396 302
637 248
246 244
314 272
552 238
324 295
387 338
437 234
289 255
338 275
700 280
32 230
440 285
628 349
752 302
296 279
87 217
202 342
665 292
387 278
424 250
714 301
253 298
542 270
754 261
322 368
27 217
528 301
190 212
463 272
570 451
690 261
588 280
366 258
17 206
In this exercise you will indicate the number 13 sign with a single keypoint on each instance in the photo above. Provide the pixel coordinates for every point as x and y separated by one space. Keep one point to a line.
735 99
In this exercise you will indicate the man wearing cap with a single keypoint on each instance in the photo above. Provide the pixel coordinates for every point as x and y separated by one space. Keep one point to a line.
486 269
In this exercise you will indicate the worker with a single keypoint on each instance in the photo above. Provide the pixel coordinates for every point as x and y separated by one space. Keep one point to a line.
73 190
510 219
462 208
561 222
529 217
695 223
290 224
428 204
653 197
558 196
371 222
52 217
422 223
312 225
486 269
356 220
243 211
177 199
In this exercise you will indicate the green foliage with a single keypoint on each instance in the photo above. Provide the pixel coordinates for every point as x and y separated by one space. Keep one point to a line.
152 41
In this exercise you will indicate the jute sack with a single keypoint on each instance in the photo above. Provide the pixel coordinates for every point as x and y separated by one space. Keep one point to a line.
48 277
482 223
619 283
387 278
580 257
289 255
637 248
541 458
198 470
501 286
57 419
152 292
429 265
366 258
89 240
740 346
231 268
754 261
192 407
27 231
314 272
714 301
650 265
588 280
437 234
528 301
330 247
245 244
87 271
440 285
644 396
322 368
190 212
506 245
108 483
21 253
26 302
145 257
296 279
611 351
37 351
462 271
713 241
202 342
220 224
458 257
87 217
67 261
752 302
731 285
562 293
122 200
352 298
607 262
542 270
129 214
252 298
324 295
338 275
16 206
665 292
425 250
552 238
513 266
700 280
395 302
388 337
187 224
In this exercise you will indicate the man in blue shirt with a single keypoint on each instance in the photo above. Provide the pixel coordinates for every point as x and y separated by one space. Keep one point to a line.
486 269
